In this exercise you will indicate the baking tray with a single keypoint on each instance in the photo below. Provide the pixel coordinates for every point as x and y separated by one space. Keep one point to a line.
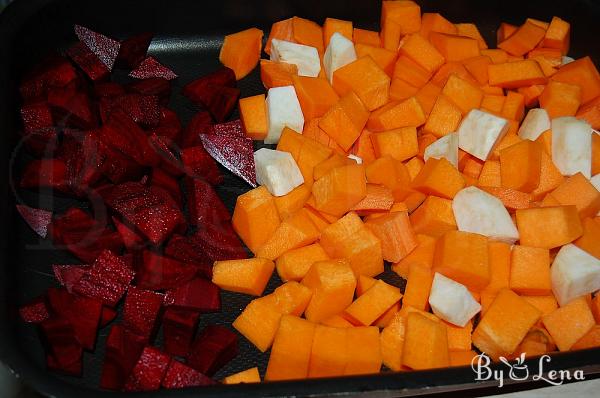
188 35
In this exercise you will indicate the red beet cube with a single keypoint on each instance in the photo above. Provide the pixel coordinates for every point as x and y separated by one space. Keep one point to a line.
198 294
167 151
141 311
216 92
219 242
108 90
187 250
89 62
236 154
142 109
45 173
36 116
105 48
179 328
62 344
157 86
123 349
42 143
204 205
69 275
168 125
35 311
72 369
149 209
166 181
233 128
157 272
180 376
131 239
71 107
198 163
212 349
83 313
107 316
53 72
150 67
148 372
201 123
221 77
37 219
133 50
84 156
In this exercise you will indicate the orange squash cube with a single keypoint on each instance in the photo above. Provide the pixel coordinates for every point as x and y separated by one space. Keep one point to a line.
530 271
341 189
292 346
255 217
373 303
248 276
425 343
440 178
569 323
366 79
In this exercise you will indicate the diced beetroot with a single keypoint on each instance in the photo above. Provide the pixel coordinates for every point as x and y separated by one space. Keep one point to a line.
36 116
69 275
107 280
143 109
219 242
37 219
82 235
83 313
45 173
233 128
157 272
89 62
84 156
71 107
133 50
117 166
35 311
180 376
150 67
123 349
179 328
212 349
122 133
42 143
187 250
201 123
167 151
107 316
55 71
149 209
105 48
236 154
166 181
168 126
198 163
108 89
148 372
131 239
72 369
221 77
62 344
141 311
153 86
198 294
204 205
219 100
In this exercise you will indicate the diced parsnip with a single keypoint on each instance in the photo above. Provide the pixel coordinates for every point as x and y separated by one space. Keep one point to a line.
572 146
284 110
306 58
452 301
339 52
479 132
535 123
277 171
574 273
445 147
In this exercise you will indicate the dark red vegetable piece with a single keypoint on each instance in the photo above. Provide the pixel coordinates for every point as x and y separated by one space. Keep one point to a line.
107 316
168 153
219 100
37 219
197 163
72 369
157 272
212 349
168 126
108 89
179 328
180 376
88 62
232 128
150 67
148 372
204 205
45 173
221 77
71 107
187 250
69 275
143 109
160 178
131 239
198 294
35 311
36 116
123 349
141 310
152 86
201 123
105 48
219 242
42 143
133 50
62 345
55 71
234 153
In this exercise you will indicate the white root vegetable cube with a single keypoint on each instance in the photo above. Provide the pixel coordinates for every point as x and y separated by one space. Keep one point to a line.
277 171
572 146
306 58
479 133
340 52
445 147
284 110
574 273
535 123
479 212
452 301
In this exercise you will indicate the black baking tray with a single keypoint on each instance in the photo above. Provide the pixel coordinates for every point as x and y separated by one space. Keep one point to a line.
188 35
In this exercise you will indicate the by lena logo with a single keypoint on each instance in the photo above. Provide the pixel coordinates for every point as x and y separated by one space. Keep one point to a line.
519 371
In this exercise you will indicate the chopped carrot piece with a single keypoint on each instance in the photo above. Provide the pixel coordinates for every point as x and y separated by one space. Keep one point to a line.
425 343
421 51
516 74
248 276
459 338
368 37
341 189
478 67
434 22
308 33
294 264
336 160
414 166
465 95
400 144
345 120
471 30
253 114
311 153
366 79
505 31
363 284
590 340
531 94
490 174
510 198
388 172
333 25
408 70
363 147
497 55
292 202
530 271
427 96
440 178
514 106
452 68
499 256
315 95
553 56
378 199
579 191
425 140
462 358
590 240
434 217
525 39
392 342
396 115
290 355
398 18
418 287
546 304
521 165
255 217
281 30
560 99
258 323
400 90
296 231
422 256
463 257
582 73
292 142
558 35
363 350
241 51
373 303
497 337
548 227
493 103
454 48
337 321
385 59
395 233
591 114
246 376
329 355
277 74
569 323
313 131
